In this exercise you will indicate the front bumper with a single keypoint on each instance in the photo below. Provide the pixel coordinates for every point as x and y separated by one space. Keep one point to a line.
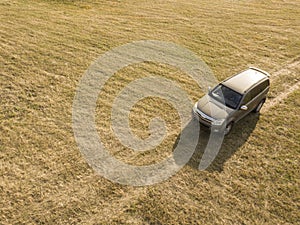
206 120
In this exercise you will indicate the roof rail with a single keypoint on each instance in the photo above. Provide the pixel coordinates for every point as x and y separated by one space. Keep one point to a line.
262 71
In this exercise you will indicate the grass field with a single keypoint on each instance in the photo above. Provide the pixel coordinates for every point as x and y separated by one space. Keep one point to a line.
45 48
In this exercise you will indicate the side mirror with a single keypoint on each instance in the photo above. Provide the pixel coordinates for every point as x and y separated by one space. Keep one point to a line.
209 88
244 107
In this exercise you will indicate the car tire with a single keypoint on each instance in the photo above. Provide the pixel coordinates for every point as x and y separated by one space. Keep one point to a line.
228 128
259 106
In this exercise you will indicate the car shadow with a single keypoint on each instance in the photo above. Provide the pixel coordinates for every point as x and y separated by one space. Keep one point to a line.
231 143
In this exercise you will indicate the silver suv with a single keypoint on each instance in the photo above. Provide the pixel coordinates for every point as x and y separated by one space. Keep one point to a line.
233 99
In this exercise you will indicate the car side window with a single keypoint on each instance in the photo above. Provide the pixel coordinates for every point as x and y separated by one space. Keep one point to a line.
264 85
247 98
255 91
259 88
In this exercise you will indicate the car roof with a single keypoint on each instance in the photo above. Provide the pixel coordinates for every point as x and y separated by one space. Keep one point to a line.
246 79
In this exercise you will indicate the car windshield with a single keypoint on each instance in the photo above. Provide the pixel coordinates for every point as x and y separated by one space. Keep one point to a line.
226 95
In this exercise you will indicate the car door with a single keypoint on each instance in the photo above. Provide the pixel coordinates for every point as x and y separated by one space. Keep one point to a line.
252 98
248 100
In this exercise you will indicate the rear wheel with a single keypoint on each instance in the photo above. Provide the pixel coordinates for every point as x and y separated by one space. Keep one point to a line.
259 106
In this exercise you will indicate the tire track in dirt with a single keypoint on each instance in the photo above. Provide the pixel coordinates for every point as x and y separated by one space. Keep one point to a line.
280 98
285 70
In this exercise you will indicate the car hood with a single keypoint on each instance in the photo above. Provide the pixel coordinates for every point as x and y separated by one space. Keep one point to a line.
213 108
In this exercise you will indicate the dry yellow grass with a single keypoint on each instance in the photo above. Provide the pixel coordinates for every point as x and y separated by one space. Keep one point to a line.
45 47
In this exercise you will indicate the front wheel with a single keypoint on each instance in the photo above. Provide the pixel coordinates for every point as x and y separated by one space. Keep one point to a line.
259 106
228 128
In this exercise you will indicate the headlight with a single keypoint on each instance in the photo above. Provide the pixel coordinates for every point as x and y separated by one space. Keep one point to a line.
195 106
218 122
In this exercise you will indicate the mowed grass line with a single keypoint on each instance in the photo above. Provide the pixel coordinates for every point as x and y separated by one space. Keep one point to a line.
45 48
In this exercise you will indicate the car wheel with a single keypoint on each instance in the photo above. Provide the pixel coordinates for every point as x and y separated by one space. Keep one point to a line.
228 128
259 106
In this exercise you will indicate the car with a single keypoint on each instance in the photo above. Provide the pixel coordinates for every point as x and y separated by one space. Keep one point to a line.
232 99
